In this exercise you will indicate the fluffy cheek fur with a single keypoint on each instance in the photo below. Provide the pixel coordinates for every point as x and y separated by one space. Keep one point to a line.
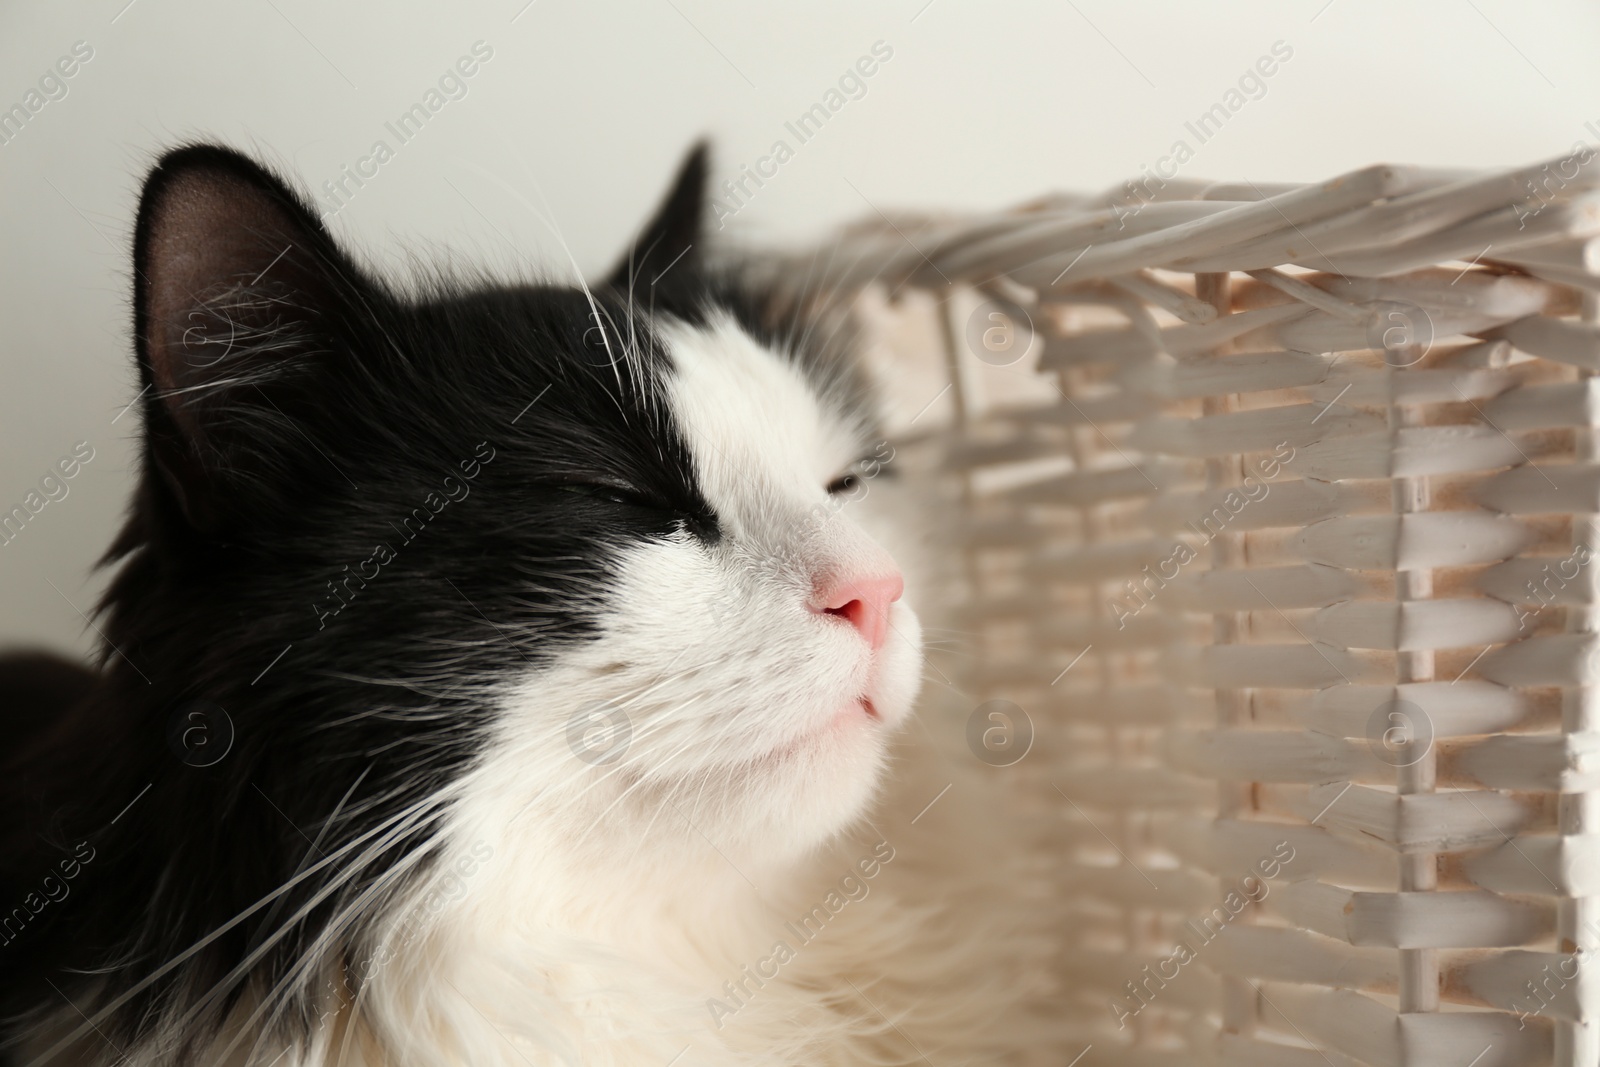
714 703
712 733
718 702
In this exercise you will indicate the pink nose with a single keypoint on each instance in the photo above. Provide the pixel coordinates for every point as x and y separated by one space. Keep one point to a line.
864 602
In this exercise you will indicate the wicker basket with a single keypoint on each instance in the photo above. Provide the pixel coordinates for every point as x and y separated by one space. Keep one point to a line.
1276 514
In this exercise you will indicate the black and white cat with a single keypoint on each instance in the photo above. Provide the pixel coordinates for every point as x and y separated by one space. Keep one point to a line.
489 680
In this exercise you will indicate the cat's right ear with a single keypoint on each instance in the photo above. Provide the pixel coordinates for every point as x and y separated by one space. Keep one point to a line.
671 240
241 302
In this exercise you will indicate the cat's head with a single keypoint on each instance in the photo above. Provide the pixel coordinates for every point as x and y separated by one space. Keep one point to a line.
538 549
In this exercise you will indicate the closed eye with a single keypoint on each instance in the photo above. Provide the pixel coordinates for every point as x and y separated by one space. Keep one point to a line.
875 466
844 483
615 492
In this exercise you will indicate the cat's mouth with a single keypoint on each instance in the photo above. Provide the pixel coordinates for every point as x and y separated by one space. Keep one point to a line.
854 713
861 709
861 706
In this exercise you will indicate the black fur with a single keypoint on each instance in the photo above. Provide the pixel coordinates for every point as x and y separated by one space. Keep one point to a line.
277 687
298 415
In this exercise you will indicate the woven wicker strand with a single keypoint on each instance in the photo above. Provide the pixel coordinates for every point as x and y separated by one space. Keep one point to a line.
1291 556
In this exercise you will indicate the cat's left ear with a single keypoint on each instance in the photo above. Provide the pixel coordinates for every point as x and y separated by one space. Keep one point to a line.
242 306
671 242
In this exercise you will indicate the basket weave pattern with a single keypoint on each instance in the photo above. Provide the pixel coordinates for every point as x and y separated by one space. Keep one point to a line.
1299 599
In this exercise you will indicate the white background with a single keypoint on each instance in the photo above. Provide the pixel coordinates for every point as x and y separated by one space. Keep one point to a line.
574 124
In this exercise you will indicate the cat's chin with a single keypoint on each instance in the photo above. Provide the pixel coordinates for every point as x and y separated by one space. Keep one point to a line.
811 789
832 775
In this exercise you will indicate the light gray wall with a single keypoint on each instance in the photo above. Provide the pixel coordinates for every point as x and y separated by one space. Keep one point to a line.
568 131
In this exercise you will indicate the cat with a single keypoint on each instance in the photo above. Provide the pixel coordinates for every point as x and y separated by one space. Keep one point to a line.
491 676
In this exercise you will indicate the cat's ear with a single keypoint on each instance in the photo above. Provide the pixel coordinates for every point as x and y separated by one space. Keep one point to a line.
240 298
671 241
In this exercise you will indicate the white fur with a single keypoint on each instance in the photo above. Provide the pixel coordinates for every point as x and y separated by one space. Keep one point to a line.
613 914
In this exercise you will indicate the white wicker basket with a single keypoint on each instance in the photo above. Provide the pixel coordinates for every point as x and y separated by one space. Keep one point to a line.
1288 560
